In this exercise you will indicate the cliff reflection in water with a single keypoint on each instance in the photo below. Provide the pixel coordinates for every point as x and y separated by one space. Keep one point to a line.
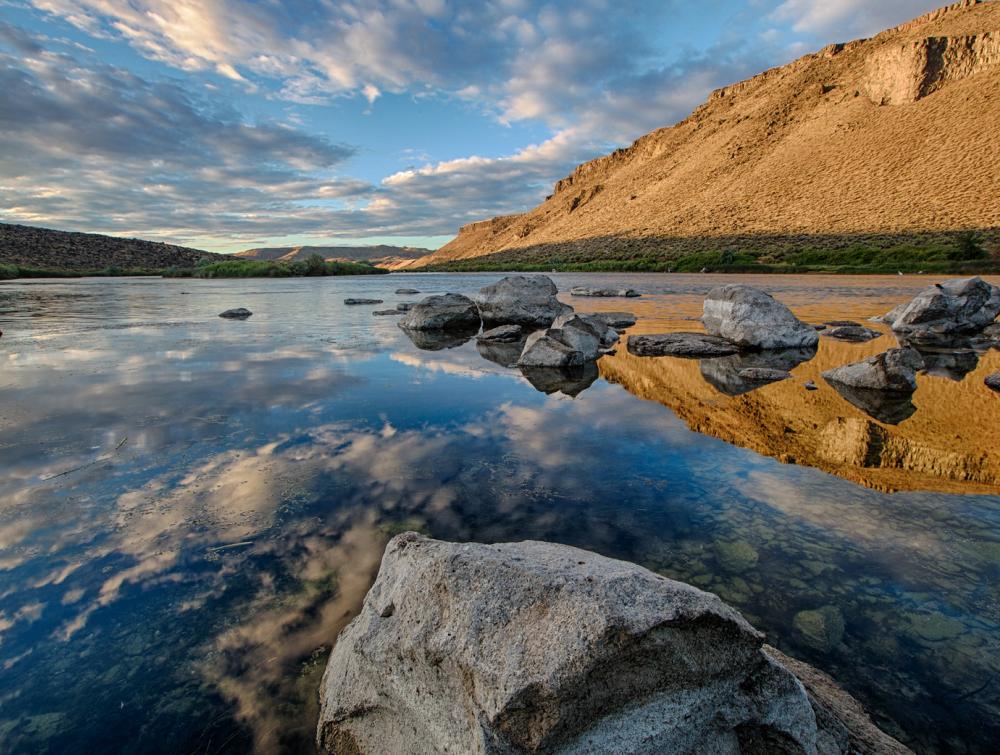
883 441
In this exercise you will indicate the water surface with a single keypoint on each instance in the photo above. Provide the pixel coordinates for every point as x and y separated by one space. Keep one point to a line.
191 508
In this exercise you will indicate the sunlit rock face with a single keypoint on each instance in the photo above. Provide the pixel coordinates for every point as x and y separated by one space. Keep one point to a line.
539 647
753 319
948 309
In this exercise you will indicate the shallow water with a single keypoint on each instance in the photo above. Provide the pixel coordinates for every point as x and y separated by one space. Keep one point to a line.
191 508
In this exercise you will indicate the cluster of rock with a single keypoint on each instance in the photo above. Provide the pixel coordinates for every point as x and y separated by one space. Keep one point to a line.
536 647
525 311
944 311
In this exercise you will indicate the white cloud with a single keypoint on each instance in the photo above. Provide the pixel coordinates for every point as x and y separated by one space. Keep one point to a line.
847 19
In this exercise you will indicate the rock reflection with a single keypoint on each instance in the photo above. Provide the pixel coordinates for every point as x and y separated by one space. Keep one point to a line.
951 364
570 381
889 407
723 373
505 354
439 340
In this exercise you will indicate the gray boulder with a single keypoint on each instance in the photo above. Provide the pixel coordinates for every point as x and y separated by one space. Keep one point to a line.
964 305
239 313
521 300
502 334
753 319
993 382
442 312
630 293
853 333
535 647
358 302
893 370
691 345
549 348
617 320
606 335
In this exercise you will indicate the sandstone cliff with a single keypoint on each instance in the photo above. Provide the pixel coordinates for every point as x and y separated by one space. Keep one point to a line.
879 140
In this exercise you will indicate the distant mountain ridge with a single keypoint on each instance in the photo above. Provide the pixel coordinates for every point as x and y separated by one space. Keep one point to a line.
47 249
879 141
381 255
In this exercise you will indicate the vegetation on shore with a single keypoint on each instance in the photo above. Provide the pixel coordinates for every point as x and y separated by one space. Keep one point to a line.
965 255
236 268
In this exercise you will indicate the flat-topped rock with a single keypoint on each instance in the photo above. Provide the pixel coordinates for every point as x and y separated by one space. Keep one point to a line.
406 291
388 312
893 370
442 312
536 647
617 320
691 345
753 319
359 302
502 334
629 293
964 305
852 333
240 313
528 300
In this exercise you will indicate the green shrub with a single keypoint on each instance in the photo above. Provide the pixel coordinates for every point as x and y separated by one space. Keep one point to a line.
9 272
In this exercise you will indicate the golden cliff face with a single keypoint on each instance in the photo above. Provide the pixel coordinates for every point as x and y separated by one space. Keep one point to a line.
891 135
951 443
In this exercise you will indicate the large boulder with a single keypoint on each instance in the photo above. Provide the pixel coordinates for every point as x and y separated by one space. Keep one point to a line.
521 300
572 340
442 312
955 307
753 319
535 647
894 370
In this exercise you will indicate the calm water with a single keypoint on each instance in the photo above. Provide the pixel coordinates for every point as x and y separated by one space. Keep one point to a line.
191 508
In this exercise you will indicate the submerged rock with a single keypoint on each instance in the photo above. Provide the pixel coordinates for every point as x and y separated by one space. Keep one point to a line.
406 291
753 319
503 333
993 382
388 312
692 345
357 302
442 312
616 320
630 293
533 647
893 370
521 300
236 314
822 629
964 305
853 333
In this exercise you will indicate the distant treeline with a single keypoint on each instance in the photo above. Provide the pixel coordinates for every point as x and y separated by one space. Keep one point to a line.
313 266
965 255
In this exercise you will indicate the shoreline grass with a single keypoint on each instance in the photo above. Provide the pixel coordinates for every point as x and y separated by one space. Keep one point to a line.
225 269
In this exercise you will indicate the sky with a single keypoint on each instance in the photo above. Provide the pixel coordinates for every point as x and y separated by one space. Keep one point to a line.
229 124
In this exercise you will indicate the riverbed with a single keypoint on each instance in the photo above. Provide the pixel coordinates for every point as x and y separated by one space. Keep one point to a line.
191 508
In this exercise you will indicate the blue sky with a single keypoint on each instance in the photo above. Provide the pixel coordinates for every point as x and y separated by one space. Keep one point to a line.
227 124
